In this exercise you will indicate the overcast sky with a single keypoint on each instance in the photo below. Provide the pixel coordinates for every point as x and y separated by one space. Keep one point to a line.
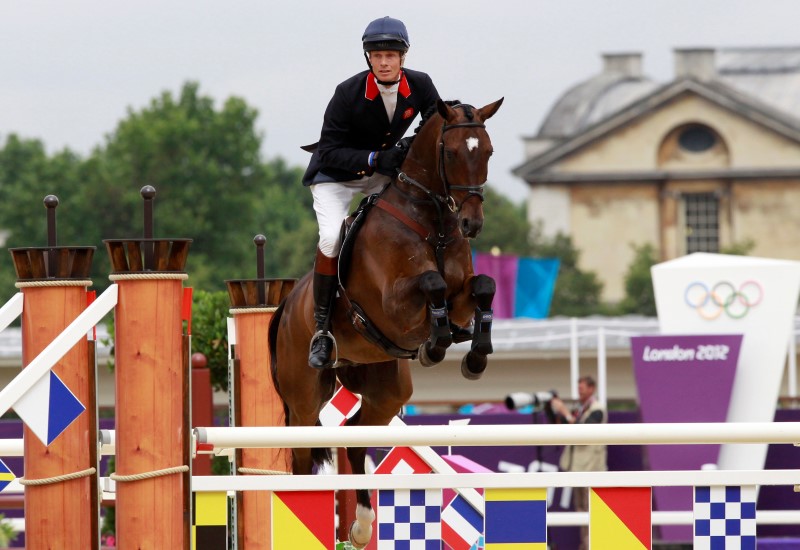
70 69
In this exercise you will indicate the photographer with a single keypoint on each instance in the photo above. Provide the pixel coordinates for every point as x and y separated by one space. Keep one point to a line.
582 458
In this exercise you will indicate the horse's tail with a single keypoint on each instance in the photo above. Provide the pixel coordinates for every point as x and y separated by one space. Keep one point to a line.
318 456
272 336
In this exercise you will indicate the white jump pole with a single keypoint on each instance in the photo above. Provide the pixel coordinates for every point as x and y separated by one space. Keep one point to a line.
493 435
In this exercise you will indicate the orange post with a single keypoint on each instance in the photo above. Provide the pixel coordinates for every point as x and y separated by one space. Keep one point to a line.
256 401
59 512
152 391
151 424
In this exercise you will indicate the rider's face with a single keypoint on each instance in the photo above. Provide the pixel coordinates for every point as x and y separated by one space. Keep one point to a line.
386 64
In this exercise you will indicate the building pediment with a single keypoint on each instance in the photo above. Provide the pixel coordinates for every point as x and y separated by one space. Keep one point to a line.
625 144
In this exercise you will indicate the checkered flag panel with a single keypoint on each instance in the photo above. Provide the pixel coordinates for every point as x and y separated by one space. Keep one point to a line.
409 519
725 518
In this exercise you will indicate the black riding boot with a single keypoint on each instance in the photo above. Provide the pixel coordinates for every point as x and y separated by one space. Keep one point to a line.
325 285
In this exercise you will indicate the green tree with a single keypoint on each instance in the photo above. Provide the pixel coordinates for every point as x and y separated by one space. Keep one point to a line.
211 183
505 226
639 295
205 165
210 333
577 292
27 175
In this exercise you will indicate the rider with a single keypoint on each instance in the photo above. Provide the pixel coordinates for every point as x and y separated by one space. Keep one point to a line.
358 152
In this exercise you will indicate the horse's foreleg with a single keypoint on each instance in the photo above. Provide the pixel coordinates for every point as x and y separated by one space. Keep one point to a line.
434 288
474 363
361 528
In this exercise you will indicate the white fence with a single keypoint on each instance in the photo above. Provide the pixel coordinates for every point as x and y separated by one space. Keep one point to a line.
223 440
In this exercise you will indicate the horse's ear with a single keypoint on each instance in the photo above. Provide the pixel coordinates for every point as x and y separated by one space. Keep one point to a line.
444 109
489 110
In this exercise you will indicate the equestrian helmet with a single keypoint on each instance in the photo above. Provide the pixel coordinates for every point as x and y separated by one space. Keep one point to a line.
386 33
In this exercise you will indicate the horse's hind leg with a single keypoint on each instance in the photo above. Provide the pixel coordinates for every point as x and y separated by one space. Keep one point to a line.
434 288
474 363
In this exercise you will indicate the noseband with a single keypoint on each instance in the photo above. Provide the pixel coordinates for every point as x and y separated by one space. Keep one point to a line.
447 198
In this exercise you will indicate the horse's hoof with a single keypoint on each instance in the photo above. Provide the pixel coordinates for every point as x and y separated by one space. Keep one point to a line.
473 365
361 529
430 359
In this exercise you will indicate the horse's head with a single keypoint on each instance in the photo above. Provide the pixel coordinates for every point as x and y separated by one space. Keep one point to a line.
462 149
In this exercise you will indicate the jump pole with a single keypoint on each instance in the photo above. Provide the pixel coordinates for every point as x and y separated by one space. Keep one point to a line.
59 513
152 390
255 401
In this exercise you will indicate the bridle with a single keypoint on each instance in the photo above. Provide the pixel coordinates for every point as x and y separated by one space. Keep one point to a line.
447 198
472 190
440 239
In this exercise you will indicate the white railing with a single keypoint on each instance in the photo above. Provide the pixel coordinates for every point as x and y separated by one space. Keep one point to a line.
499 435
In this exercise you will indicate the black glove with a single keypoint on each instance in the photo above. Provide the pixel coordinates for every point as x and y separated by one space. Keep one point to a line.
387 162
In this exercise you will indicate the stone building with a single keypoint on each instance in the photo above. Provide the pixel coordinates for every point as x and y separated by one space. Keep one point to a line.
705 162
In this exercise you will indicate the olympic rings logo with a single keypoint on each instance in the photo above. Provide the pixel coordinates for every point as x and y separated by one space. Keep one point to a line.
710 303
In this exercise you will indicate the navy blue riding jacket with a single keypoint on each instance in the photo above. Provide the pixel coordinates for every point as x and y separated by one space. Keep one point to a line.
356 124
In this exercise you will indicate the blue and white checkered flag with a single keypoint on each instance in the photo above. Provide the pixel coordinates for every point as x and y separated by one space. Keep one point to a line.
725 518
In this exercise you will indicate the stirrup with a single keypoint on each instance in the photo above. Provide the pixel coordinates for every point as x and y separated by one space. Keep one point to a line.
334 352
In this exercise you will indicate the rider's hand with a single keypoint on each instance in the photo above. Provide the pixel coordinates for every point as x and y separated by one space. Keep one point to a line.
389 161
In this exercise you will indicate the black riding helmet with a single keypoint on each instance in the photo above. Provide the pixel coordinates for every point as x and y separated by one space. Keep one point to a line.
386 33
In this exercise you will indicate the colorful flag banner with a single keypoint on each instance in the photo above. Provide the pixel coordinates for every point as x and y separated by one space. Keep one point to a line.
48 408
6 475
462 525
410 519
725 517
342 406
516 519
209 520
303 519
524 285
620 518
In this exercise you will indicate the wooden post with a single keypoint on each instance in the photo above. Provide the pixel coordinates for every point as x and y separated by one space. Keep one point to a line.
152 383
256 401
53 279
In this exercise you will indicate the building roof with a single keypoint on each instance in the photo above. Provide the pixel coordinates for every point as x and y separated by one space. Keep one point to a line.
762 84
591 101
771 75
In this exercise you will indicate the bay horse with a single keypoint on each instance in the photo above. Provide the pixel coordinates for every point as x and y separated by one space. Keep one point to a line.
408 290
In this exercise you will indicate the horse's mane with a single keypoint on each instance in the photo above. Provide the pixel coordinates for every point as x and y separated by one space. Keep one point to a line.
432 109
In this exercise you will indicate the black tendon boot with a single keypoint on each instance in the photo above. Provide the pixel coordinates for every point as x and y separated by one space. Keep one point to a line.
325 284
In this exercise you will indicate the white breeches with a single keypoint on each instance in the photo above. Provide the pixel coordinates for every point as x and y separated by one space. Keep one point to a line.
332 205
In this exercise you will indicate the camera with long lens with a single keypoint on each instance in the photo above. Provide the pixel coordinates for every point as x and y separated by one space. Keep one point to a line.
539 400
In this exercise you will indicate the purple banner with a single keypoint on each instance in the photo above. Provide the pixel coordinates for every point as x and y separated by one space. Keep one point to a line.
503 269
683 379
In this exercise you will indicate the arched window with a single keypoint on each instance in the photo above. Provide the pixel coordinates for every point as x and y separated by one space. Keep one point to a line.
693 146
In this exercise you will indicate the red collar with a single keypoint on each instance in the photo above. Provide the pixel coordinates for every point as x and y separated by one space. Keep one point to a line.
372 91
